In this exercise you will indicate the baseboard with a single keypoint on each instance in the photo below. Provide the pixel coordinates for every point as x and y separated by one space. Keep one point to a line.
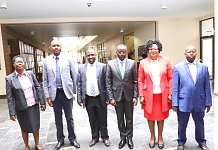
3 97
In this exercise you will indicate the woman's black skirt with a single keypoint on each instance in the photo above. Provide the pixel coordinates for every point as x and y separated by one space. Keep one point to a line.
29 119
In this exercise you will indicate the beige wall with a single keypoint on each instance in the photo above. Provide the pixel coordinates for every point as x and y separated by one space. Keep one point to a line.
2 71
176 35
111 46
142 34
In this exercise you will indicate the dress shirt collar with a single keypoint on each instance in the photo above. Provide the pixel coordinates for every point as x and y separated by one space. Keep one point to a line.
54 57
124 61
193 63
153 61
17 74
90 65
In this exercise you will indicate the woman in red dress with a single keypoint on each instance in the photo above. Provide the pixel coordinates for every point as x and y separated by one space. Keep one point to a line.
154 84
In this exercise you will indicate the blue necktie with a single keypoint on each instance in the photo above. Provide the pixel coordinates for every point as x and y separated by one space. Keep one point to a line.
58 74
92 89
122 69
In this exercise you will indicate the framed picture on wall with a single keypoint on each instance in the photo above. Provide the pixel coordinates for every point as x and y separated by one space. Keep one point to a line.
141 50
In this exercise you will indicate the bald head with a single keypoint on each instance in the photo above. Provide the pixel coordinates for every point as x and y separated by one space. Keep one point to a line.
190 54
190 48
56 47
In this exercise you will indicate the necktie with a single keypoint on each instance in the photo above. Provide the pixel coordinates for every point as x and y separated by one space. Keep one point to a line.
58 74
93 89
122 69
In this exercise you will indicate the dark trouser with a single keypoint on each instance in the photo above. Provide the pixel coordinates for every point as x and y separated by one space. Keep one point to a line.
97 117
61 101
125 127
198 118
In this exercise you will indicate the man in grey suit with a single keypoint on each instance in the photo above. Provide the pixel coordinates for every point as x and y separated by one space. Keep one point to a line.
122 87
91 93
59 82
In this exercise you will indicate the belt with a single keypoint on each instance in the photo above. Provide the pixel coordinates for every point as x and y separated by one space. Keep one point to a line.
60 89
93 96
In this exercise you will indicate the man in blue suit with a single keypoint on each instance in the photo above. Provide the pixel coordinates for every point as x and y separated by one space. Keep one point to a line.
191 94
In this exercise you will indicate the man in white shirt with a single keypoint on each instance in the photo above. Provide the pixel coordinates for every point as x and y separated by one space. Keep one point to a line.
191 94
92 94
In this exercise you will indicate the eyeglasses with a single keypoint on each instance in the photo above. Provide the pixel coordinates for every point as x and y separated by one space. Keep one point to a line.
122 53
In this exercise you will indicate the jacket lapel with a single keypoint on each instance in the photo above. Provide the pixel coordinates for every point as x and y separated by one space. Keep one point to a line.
198 70
162 65
116 65
16 81
147 67
97 69
188 71
52 63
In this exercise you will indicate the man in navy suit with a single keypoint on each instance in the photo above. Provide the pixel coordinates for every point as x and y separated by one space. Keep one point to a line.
92 94
191 94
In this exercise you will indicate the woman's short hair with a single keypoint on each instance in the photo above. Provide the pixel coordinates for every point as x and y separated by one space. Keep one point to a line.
151 42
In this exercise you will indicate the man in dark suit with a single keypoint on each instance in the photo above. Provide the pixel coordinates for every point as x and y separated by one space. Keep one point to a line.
122 87
59 82
191 94
91 93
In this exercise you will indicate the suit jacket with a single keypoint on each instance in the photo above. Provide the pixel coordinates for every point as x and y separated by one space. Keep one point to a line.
101 80
115 83
68 76
146 84
188 95
15 94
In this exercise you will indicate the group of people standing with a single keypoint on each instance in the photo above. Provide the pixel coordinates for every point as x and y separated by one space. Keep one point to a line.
160 87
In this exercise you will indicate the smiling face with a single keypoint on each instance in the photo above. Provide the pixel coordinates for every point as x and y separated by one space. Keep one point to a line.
190 53
56 47
19 64
153 52
90 55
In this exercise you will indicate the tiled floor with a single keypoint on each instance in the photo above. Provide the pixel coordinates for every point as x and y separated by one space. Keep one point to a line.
10 137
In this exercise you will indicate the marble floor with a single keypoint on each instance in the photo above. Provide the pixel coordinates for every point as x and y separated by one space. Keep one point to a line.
10 135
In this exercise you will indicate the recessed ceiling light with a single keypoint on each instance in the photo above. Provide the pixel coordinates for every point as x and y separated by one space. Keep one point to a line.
164 6
121 30
3 5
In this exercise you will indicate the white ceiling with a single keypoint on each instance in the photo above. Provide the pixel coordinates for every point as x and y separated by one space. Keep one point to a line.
39 11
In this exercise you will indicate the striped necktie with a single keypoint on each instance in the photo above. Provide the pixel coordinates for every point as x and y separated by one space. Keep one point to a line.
122 69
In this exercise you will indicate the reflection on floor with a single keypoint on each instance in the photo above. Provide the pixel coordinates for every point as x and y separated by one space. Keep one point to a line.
10 137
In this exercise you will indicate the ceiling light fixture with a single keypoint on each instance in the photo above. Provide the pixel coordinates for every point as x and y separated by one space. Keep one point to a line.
121 30
164 6
3 5
90 4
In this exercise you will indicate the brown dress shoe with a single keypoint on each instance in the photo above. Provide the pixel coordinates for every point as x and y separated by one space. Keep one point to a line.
93 142
203 147
180 147
106 143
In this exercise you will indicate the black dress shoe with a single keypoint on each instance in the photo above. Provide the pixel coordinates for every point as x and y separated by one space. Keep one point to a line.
203 147
93 142
130 144
121 144
106 143
160 146
75 144
58 146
